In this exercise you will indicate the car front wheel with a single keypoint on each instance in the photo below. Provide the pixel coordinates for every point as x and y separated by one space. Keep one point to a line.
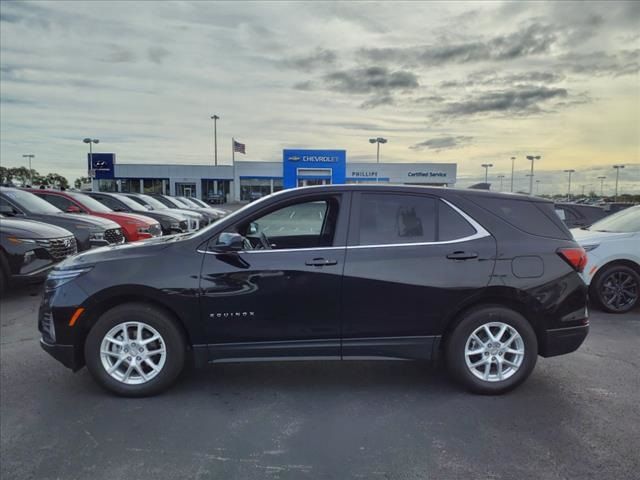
492 350
135 350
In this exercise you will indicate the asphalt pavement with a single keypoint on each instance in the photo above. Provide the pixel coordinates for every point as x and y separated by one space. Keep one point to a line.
578 416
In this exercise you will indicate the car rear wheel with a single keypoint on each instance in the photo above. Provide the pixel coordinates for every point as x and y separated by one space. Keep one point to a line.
492 350
616 289
135 350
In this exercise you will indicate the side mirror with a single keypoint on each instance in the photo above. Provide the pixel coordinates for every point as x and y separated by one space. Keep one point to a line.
229 242
73 209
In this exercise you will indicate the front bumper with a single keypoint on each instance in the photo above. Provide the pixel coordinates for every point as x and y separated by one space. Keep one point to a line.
559 341
68 355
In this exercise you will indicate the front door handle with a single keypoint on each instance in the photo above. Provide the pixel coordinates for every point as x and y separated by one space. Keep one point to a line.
320 262
460 255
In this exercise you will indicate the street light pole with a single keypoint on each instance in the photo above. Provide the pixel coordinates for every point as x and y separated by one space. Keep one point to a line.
486 167
537 187
601 185
513 161
570 171
91 141
500 177
378 141
30 156
617 167
215 119
532 158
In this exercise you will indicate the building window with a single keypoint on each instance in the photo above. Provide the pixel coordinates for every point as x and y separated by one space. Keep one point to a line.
215 191
277 184
130 185
254 188
107 186
155 185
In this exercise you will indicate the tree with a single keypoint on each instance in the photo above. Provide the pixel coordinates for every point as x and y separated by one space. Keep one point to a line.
81 181
56 180
23 175
5 175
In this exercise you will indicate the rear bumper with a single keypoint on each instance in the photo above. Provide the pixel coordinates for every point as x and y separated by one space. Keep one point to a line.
68 355
559 341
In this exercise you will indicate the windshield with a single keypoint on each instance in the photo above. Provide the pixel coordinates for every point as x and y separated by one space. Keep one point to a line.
132 204
199 202
89 202
189 202
155 204
170 202
625 221
31 203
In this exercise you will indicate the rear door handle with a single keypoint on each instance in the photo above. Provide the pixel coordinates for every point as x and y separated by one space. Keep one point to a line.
320 262
459 255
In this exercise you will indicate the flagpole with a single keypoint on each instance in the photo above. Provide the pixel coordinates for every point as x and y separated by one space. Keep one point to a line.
233 163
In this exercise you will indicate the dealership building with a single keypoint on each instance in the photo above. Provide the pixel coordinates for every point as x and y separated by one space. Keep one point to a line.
245 180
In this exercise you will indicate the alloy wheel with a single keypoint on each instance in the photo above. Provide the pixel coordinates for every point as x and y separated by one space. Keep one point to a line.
133 353
619 291
494 352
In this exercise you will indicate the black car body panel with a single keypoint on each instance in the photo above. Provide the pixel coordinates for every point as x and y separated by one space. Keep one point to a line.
29 249
82 227
337 292
577 215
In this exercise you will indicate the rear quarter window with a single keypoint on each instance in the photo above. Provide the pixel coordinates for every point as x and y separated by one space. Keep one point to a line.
535 218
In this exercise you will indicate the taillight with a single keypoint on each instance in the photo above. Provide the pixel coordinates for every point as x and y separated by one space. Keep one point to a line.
574 256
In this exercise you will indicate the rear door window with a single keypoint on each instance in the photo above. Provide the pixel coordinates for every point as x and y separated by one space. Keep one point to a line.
387 219
61 202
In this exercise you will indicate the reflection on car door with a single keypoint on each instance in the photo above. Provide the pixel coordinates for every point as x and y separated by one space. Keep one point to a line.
279 301
411 259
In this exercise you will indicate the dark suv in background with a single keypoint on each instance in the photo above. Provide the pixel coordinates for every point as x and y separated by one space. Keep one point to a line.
488 281
29 249
89 231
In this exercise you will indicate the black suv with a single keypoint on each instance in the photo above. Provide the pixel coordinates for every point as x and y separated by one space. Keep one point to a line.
29 249
488 281
89 231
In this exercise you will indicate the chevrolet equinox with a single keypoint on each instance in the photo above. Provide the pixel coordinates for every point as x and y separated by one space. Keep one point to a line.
486 281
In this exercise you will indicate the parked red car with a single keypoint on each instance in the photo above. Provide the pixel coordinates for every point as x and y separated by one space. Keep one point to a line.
134 226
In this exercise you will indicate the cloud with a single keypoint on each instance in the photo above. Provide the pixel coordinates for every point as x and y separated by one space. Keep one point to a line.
320 58
304 86
370 80
119 54
625 62
520 100
157 54
489 78
533 40
374 102
443 143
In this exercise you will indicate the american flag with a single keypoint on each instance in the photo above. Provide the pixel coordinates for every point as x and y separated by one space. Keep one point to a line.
239 147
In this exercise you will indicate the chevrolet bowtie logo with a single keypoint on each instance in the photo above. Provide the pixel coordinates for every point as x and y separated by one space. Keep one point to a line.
294 158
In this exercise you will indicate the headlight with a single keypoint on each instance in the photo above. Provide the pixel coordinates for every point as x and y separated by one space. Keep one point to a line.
57 278
588 248
97 235
143 230
21 241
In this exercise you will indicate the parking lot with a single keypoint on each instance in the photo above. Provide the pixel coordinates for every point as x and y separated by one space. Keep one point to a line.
576 417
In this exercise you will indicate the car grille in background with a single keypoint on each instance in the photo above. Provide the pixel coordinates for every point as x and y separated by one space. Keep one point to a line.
184 225
47 328
193 224
114 235
59 248
155 230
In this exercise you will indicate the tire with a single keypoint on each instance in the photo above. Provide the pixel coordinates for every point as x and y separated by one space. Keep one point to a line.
518 335
616 289
152 370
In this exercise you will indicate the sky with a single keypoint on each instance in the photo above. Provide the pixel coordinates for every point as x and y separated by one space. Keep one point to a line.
463 82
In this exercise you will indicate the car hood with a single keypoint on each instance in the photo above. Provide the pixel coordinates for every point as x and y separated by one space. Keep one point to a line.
129 217
31 229
587 237
122 252
78 219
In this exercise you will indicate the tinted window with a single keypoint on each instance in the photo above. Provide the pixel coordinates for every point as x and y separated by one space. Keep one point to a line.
536 218
60 202
30 202
110 202
389 219
90 203
301 219
451 225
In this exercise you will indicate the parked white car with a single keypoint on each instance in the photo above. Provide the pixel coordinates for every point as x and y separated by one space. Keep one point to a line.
613 267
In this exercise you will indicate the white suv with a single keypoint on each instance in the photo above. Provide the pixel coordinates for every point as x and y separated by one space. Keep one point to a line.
613 268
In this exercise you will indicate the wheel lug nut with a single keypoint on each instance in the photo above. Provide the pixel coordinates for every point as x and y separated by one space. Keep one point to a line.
138 358
493 358
486 354
141 349
129 359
